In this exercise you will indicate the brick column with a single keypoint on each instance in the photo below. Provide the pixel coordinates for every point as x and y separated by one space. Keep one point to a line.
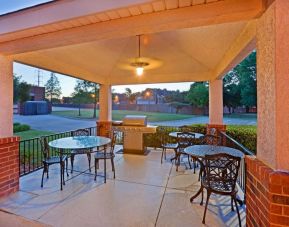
267 195
9 165
268 174
216 107
105 108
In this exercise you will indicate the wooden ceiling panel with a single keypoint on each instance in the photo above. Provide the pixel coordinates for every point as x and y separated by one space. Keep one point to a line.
198 2
134 11
146 8
172 4
158 6
113 15
185 3
124 12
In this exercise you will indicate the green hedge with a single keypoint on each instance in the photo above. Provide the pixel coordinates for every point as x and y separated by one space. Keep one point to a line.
17 127
245 135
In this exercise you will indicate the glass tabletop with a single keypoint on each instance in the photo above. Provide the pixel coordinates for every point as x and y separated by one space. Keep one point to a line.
79 142
201 150
197 135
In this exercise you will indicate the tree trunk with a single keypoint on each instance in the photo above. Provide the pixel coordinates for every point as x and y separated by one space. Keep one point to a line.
79 114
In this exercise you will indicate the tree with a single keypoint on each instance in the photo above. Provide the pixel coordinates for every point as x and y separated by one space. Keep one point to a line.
21 90
85 92
130 95
52 88
198 94
92 93
240 84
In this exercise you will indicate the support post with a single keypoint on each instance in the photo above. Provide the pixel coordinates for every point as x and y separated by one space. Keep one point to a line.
105 110
6 97
267 187
9 145
216 107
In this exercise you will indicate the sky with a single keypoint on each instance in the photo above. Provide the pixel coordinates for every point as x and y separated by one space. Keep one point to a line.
29 74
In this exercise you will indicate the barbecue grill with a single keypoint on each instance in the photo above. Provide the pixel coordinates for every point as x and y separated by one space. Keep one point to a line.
133 128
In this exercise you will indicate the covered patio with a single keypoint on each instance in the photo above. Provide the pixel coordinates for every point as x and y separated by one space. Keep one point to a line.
144 193
181 41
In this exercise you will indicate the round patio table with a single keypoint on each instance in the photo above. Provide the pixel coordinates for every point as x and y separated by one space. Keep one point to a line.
199 152
78 142
197 135
175 135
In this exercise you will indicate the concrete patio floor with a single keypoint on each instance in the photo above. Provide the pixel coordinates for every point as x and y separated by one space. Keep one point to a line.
144 193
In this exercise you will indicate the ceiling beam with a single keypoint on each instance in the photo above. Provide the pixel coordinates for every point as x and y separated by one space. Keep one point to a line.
240 48
161 78
187 17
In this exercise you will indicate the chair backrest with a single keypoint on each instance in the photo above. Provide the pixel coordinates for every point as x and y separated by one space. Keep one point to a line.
211 140
163 137
185 139
44 147
185 128
222 168
113 138
80 132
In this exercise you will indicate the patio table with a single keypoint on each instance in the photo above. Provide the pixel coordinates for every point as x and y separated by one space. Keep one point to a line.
200 151
175 135
78 142
197 135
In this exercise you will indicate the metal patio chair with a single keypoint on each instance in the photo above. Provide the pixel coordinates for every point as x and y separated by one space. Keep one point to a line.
220 177
80 132
104 155
49 160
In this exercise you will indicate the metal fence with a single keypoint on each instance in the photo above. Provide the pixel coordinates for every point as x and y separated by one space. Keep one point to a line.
30 154
230 142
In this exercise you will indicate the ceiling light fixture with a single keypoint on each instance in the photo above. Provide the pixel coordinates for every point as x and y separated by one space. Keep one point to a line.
139 64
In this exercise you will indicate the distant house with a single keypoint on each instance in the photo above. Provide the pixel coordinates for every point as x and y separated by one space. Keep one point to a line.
37 93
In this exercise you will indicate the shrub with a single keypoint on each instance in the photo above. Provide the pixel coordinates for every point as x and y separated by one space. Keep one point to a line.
16 124
245 135
20 128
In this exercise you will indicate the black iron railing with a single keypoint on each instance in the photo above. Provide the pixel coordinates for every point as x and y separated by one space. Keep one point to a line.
30 151
230 142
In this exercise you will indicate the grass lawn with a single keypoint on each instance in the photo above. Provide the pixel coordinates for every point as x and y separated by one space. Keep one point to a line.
119 114
32 134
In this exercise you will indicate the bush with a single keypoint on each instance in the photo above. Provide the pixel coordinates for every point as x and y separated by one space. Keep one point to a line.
243 134
20 128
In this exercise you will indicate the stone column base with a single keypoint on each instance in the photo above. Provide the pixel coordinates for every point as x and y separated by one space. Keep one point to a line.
104 128
9 165
210 128
267 195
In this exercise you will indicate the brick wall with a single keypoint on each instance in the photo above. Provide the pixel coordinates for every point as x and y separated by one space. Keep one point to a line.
9 165
267 195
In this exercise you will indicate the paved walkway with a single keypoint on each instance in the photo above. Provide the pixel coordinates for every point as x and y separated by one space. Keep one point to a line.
145 193
53 123
205 120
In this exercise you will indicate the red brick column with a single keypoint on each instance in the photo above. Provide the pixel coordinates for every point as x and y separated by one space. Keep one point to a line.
267 195
9 165
104 128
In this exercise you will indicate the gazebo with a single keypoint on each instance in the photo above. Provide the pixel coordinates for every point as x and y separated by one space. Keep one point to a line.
179 41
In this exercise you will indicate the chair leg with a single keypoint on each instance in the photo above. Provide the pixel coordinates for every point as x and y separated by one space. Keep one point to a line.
236 204
44 167
89 158
113 168
201 203
165 154
63 170
207 201
178 160
162 155
47 170
67 167
71 162
104 170
95 169
190 163
61 182
232 200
